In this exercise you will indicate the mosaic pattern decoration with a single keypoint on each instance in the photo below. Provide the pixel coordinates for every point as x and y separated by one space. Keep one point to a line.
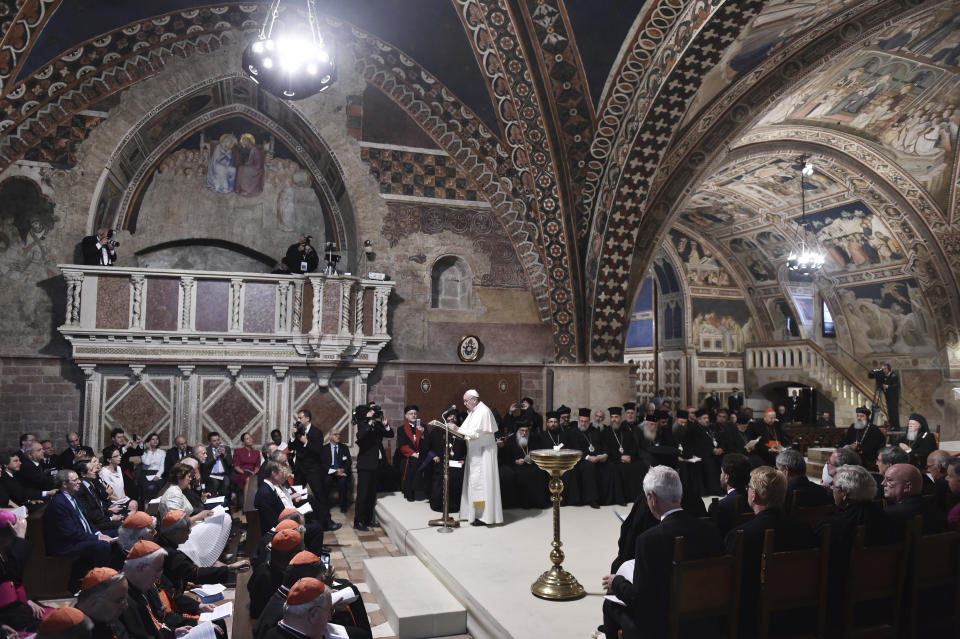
417 174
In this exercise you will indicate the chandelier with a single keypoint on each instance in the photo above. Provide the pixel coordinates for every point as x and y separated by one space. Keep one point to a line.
290 61
808 259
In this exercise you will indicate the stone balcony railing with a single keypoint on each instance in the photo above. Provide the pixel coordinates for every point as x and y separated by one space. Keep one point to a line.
139 317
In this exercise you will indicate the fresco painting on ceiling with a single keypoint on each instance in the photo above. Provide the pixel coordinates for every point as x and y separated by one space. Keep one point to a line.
750 255
237 172
720 327
26 217
804 308
708 210
699 264
890 317
776 23
904 96
774 182
773 244
784 322
853 237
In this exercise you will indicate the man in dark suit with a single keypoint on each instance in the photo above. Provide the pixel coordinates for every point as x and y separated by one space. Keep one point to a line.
218 469
902 487
50 463
735 401
26 445
734 475
12 488
338 467
67 532
647 598
73 447
372 429
308 444
99 249
891 392
175 454
32 477
806 493
272 499
765 496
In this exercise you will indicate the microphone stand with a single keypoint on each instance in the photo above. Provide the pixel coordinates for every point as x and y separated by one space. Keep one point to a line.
448 523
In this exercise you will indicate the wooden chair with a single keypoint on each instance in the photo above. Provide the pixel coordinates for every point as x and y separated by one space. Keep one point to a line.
792 580
242 623
875 573
253 529
705 588
935 563
44 577
813 515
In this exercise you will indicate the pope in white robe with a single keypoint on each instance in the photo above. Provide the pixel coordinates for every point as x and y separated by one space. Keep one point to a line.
480 499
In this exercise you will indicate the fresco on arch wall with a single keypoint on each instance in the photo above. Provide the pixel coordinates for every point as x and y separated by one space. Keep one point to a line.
774 182
903 94
853 237
721 327
776 23
707 211
26 219
750 255
237 173
888 318
700 267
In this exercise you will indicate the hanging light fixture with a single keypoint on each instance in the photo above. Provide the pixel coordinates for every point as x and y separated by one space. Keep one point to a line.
290 61
808 259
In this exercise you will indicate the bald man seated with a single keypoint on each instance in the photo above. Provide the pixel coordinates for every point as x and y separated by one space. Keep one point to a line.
902 488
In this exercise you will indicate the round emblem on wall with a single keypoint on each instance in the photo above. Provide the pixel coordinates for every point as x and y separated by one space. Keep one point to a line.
469 348
502 386
425 385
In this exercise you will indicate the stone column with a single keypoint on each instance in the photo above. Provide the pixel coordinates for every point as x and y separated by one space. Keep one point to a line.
186 309
236 293
74 288
137 308
381 295
317 284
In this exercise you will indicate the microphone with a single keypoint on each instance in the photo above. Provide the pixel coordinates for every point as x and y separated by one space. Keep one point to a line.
449 410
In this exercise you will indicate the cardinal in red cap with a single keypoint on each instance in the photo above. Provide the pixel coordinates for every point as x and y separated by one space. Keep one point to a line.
306 613
65 623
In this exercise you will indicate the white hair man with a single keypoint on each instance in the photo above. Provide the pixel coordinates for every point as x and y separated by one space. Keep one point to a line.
480 498
646 599
306 615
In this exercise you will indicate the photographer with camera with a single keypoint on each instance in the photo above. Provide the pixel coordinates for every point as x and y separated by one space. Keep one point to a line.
372 429
888 382
100 249
302 257
308 443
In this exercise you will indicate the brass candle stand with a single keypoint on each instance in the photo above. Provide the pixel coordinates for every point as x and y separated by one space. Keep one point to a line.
556 583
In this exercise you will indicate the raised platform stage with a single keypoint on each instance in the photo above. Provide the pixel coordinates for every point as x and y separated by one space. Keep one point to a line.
490 570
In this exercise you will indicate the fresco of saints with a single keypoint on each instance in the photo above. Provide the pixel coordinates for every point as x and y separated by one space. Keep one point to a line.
221 173
249 181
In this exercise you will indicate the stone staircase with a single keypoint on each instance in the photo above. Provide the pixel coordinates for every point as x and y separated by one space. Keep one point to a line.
806 362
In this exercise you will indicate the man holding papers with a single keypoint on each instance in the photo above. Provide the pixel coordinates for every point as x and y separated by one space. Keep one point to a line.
480 499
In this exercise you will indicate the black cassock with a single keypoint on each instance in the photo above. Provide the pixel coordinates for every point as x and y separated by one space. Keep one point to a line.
625 479
458 452
586 482
522 485
699 440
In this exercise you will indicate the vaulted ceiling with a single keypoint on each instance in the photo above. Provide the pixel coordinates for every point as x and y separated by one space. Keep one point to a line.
594 128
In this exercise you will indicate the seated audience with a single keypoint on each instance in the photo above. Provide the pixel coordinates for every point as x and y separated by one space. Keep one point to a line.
12 490
102 598
65 622
36 483
66 531
100 512
51 461
626 468
73 447
178 567
902 487
246 463
176 454
137 525
113 477
953 481
175 496
16 610
522 483
582 485
920 441
765 495
273 498
935 479
646 598
150 475
268 576
734 475
306 613
839 457
142 568
800 489
217 467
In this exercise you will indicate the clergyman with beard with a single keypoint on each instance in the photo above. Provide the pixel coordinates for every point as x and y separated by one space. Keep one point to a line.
864 438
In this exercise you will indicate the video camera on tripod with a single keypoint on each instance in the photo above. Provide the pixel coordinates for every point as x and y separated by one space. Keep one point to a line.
878 375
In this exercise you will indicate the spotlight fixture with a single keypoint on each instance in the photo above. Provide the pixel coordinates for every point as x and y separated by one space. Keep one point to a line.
808 259
290 61
368 247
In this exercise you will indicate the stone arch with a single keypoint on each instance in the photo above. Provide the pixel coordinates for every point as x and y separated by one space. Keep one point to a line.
451 284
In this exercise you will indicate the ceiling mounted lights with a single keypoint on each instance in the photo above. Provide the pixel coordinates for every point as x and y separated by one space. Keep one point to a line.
290 61
807 260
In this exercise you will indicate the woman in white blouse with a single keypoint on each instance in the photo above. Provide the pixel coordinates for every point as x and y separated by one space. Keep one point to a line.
173 497
151 466
112 476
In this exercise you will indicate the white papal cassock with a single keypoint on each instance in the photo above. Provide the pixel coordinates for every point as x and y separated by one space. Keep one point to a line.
481 481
